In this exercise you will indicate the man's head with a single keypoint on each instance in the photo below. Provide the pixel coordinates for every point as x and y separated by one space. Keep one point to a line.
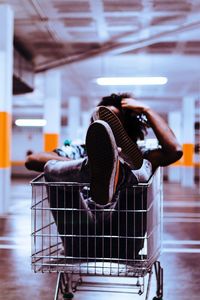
133 123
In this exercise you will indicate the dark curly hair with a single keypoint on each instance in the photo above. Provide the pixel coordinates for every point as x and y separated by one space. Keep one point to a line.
134 124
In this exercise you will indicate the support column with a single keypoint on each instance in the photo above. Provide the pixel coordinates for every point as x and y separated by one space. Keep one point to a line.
74 117
188 138
6 72
174 121
86 116
52 109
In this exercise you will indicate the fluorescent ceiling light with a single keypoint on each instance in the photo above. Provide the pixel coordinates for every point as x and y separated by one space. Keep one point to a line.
131 80
31 122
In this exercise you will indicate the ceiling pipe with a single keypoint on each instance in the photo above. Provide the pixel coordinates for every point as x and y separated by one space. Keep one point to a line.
114 48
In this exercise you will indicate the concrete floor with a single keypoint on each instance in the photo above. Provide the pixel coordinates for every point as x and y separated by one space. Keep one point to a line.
180 257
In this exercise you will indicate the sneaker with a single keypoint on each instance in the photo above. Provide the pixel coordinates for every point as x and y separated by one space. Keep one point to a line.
103 162
130 151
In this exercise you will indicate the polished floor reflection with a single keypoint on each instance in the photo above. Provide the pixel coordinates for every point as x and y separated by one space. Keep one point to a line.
180 257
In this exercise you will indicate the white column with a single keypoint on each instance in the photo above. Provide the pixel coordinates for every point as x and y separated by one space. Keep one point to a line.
174 121
188 138
6 72
74 117
86 116
52 109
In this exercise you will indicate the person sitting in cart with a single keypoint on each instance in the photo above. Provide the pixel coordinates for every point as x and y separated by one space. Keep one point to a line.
110 161
111 157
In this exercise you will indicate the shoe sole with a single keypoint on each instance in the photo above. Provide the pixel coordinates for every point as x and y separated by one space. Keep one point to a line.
130 151
103 161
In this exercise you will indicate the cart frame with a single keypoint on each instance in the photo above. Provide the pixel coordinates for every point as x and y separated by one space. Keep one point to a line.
50 243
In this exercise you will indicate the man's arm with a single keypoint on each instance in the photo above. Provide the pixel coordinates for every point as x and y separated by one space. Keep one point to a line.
171 150
36 162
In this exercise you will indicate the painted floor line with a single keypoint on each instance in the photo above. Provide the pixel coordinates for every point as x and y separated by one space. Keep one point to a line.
182 214
180 250
14 247
181 220
182 242
181 203
15 239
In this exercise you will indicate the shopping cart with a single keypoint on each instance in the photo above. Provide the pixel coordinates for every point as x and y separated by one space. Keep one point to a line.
81 241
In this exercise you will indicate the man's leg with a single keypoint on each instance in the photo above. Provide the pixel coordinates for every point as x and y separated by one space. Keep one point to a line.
130 151
67 171
128 218
71 214
103 162
120 227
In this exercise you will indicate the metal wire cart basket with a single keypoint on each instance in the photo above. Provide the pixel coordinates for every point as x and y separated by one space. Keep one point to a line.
80 240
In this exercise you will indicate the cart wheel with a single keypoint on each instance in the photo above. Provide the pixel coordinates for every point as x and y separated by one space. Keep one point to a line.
68 295
140 293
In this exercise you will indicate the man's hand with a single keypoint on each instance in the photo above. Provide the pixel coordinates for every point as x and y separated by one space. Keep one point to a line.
134 105
171 150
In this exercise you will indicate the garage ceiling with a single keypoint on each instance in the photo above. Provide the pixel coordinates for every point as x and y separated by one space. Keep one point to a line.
92 38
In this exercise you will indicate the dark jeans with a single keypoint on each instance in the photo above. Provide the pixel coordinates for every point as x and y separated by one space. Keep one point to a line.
87 229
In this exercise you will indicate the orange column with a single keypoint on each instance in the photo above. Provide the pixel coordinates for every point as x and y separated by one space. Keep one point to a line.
6 71
188 155
51 141
188 140
5 138
52 111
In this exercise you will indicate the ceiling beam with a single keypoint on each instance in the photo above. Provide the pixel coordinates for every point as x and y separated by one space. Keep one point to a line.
98 12
114 46
76 15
